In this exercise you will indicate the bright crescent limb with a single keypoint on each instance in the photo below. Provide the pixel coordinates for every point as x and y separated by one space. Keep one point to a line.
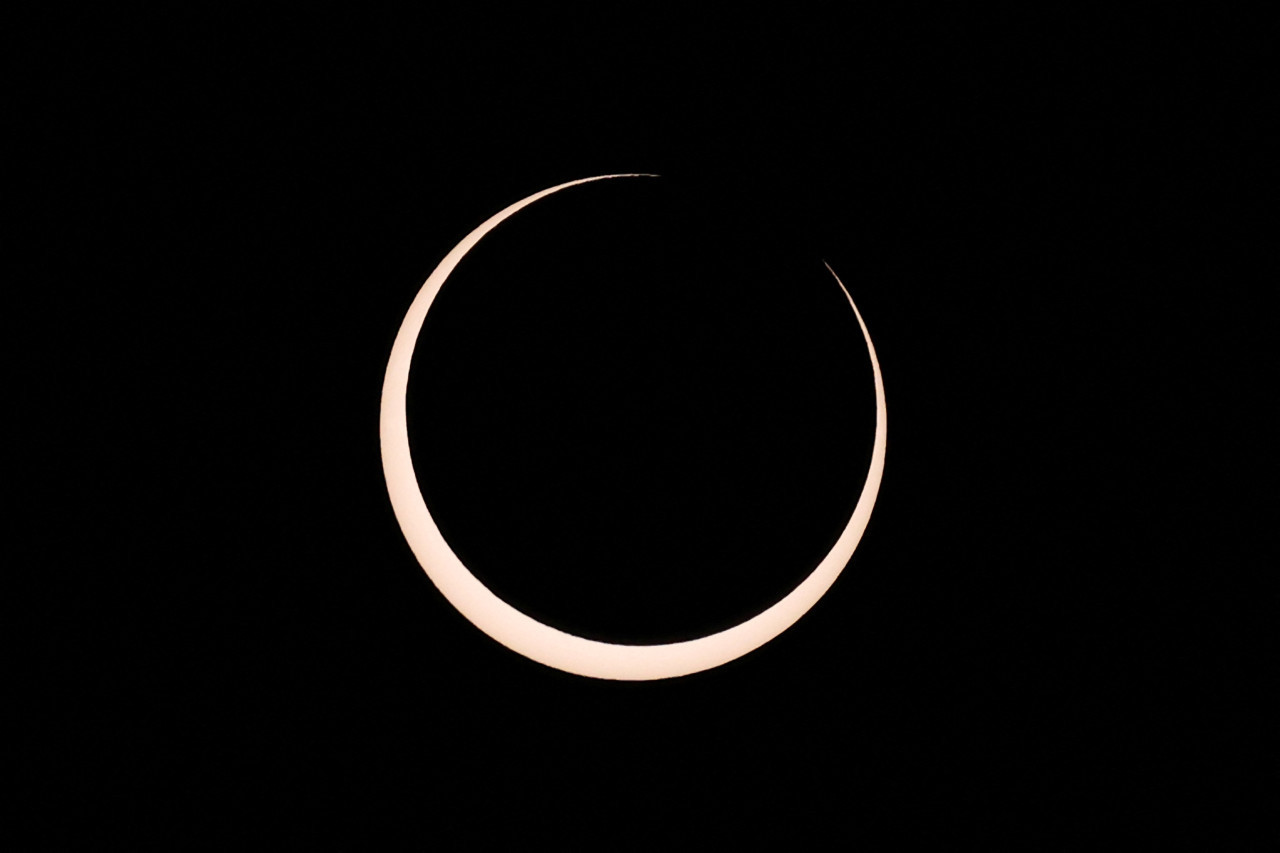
524 634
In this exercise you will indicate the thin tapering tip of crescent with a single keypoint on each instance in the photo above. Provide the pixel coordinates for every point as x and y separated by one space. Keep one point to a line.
524 634
603 178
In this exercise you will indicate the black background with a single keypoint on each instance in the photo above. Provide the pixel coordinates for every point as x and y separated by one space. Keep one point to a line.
642 413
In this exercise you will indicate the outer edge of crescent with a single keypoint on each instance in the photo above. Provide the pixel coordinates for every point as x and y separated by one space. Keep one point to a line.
536 640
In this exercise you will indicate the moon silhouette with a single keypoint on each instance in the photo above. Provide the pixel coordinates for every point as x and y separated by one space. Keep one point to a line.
526 635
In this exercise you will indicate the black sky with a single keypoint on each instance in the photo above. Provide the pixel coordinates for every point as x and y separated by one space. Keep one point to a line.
225 222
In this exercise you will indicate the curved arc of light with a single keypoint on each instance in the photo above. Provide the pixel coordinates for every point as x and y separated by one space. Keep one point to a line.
522 633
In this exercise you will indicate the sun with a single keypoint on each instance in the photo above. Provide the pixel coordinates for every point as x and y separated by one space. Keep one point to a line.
524 634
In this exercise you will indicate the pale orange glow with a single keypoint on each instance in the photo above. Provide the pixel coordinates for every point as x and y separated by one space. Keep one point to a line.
522 633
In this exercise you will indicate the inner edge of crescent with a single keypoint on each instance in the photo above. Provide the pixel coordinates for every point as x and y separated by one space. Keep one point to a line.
536 640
